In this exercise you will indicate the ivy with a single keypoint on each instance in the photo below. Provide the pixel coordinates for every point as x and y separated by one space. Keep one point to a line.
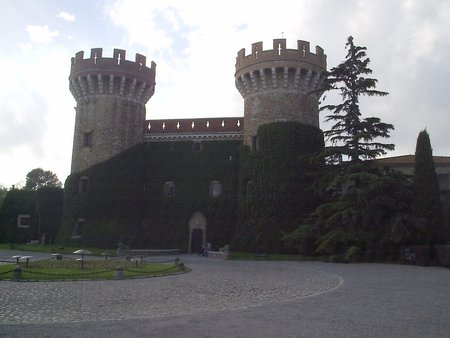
125 201
281 172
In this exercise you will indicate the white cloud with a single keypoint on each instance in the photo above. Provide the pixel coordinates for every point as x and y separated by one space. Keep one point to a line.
41 34
66 16
39 112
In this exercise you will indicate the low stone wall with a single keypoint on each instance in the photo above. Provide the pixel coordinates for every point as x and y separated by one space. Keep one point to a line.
148 252
217 254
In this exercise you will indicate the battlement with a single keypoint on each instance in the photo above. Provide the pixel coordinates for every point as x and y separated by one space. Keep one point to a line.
98 75
118 63
280 53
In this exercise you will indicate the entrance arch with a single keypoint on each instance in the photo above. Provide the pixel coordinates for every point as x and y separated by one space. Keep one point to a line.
197 232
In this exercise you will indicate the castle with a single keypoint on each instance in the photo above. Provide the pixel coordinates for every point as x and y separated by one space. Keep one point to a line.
121 187
176 184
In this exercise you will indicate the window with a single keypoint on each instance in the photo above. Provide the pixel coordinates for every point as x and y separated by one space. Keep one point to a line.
215 189
248 187
254 144
78 228
83 185
23 221
87 139
197 146
169 189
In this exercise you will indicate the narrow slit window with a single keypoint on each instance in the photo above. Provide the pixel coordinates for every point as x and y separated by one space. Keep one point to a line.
169 189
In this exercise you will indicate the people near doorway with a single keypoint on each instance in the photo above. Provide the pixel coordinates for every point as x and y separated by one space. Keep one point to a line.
204 249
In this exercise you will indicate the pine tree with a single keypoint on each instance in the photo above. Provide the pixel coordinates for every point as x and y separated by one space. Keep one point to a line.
427 203
352 136
364 208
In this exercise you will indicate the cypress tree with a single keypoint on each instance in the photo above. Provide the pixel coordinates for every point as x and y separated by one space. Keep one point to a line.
427 203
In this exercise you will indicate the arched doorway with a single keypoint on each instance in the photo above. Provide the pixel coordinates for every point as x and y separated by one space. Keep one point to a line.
196 240
197 232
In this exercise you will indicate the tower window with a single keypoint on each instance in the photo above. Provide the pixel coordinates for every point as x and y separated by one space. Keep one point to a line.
197 147
254 144
169 189
78 227
248 188
215 189
83 185
87 139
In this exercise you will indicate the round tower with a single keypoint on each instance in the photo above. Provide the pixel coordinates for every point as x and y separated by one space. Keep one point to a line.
111 94
276 85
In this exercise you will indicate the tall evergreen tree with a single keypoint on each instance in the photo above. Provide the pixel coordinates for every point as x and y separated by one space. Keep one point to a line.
427 203
351 135
364 207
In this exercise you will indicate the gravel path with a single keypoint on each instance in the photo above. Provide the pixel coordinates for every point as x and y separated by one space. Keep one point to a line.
238 299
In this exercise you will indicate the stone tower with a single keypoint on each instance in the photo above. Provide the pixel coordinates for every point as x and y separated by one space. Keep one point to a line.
111 94
275 85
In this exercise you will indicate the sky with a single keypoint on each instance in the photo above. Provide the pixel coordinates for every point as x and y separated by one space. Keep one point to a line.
194 44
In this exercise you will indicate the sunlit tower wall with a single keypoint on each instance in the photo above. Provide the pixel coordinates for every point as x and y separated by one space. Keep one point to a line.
276 85
111 94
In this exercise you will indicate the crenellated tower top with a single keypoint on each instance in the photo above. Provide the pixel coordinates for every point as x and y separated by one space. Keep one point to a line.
98 75
280 53
279 84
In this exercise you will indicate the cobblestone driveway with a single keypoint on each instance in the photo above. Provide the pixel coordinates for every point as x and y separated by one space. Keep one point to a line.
238 299
212 285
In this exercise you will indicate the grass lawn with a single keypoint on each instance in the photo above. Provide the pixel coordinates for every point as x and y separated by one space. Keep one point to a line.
68 269
248 256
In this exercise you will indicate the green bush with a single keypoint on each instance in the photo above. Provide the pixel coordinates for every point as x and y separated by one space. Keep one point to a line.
353 254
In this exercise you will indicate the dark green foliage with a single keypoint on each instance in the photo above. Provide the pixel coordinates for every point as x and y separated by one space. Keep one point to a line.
18 202
365 207
427 203
281 173
3 192
38 178
351 136
125 200
49 206
44 207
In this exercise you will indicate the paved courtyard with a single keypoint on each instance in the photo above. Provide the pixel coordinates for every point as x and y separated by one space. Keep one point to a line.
237 299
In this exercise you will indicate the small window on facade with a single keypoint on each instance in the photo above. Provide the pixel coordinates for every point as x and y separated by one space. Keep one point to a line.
169 189
248 187
87 139
197 146
254 145
83 185
78 228
215 189
23 221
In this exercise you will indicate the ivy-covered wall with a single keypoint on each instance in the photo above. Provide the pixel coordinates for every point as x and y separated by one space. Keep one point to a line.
276 185
125 200
44 207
